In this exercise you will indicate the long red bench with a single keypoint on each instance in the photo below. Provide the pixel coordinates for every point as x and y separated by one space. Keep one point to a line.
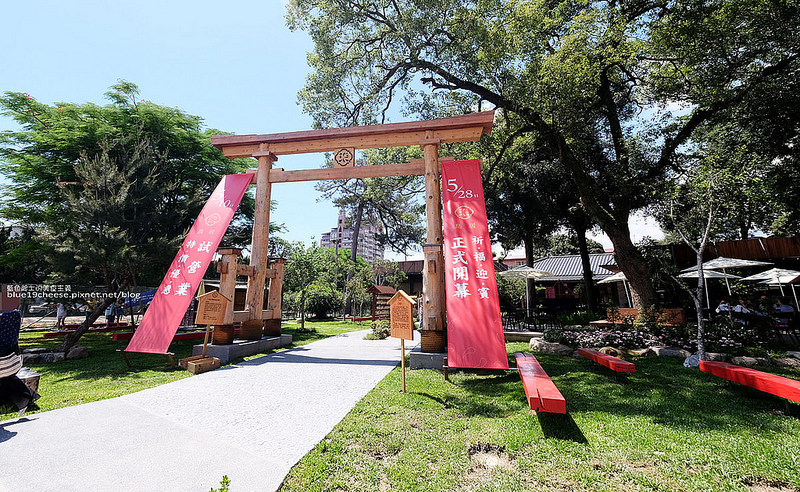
762 381
541 392
614 363
63 333
189 335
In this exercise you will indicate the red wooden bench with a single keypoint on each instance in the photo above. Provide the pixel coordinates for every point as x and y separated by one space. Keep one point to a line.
542 394
762 381
614 363
190 335
101 329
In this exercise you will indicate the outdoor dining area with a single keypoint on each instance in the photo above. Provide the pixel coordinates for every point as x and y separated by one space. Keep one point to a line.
745 294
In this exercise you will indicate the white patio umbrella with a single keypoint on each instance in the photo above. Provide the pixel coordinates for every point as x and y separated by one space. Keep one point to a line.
723 263
619 277
526 272
706 275
780 276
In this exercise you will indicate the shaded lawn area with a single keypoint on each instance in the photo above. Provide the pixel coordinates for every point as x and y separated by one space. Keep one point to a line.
666 427
104 374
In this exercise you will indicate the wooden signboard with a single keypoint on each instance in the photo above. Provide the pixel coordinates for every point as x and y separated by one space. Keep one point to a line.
211 309
401 322
401 317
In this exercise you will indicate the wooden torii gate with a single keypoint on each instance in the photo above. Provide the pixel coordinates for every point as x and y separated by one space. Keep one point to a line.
429 135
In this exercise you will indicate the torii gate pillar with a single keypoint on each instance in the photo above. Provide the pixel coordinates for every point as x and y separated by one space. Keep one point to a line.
432 326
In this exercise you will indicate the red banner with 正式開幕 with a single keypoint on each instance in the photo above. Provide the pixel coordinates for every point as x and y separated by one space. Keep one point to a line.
474 328
173 296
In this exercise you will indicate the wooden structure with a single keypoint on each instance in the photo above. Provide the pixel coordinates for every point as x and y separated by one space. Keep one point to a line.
614 363
429 135
381 294
541 392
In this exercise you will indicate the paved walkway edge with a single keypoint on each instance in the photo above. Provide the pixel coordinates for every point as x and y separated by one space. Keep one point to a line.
251 421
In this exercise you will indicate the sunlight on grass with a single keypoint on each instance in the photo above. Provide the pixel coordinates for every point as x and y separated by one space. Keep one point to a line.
665 427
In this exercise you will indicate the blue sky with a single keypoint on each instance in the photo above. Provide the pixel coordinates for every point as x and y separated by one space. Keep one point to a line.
235 64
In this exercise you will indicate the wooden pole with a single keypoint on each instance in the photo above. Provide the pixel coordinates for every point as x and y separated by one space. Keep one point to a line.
433 269
254 302
205 340
403 361
227 282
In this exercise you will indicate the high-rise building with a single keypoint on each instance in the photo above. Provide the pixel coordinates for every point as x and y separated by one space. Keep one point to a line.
341 237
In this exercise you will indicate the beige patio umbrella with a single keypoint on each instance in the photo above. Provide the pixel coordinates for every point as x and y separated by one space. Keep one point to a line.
723 263
526 272
619 277
706 275
779 276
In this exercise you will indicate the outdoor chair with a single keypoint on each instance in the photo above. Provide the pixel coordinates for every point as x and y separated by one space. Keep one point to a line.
12 389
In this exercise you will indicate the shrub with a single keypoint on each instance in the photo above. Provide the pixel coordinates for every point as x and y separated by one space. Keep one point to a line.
380 329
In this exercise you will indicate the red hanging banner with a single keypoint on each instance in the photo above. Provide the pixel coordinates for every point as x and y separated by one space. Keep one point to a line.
474 328
173 296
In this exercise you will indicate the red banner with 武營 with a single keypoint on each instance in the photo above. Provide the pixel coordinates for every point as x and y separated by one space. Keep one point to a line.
474 328
173 296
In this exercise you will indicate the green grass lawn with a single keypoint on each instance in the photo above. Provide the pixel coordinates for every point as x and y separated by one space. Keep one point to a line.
104 374
665 427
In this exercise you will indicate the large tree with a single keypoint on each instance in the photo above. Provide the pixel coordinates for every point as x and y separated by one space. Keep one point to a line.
110 190
594 80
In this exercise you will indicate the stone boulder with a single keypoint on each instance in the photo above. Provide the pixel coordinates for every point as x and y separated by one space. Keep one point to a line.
539 345
716 357
787 362
749 361
78 352
611 351
793 353
671 352
42 357
645 352
692 361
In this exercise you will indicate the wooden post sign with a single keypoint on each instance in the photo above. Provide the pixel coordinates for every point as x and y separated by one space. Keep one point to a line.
211 309
401 322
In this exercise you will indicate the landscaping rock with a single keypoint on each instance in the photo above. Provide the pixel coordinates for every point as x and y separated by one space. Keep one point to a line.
787 362
36 350
78 352
670 352
749 361
42 357
794 353
716 357
538 345
692 361
31 358
645 352
610 351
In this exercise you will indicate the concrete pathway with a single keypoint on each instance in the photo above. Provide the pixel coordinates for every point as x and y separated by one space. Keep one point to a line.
252 422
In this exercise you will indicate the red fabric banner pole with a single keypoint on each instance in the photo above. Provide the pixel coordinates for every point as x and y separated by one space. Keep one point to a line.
173 296
474 328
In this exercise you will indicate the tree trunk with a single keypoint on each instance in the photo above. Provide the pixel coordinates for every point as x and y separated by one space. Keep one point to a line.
303 309
71 339
530 284
633 265
588 282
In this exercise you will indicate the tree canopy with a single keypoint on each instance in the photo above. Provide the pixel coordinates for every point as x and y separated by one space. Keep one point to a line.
110 190
614 90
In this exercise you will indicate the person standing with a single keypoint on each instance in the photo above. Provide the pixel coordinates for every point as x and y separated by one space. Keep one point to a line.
110 315
61 316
